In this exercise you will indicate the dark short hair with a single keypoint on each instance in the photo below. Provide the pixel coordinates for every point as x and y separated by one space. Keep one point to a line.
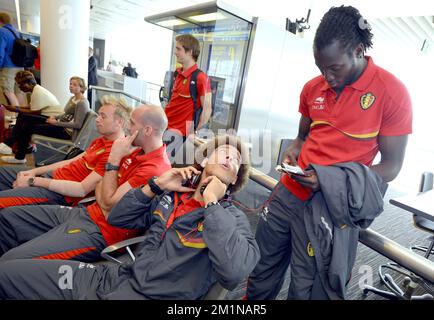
25 77
222 140
346 25
189 42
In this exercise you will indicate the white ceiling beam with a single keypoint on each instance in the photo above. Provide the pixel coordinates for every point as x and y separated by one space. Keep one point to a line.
415 23
402 31
391 31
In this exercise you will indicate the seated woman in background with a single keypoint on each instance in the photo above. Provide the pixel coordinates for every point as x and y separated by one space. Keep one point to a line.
50 122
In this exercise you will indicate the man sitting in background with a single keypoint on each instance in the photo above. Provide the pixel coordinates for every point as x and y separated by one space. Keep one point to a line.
43 104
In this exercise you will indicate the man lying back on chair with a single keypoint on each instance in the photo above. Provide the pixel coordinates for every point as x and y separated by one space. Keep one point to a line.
67 182
195 238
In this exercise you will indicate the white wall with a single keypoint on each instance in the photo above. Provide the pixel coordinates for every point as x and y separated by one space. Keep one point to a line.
147 47
280 65
415 69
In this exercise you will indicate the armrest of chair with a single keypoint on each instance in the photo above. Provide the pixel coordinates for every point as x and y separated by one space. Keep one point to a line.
119 245
87 200
216 292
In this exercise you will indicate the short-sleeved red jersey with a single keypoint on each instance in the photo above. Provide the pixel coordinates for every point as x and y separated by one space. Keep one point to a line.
180 108
136 169
94 159
347 129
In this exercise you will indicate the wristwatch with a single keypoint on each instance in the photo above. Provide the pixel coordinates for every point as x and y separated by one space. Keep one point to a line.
212 203
31 181
154 187
110 167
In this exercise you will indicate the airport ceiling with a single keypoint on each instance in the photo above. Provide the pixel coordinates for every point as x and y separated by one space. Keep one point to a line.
410 23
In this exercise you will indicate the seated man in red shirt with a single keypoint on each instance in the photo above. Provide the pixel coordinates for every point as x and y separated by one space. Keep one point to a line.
67 182
351 112
58 232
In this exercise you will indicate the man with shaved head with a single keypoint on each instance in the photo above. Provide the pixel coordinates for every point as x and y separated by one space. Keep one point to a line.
80 233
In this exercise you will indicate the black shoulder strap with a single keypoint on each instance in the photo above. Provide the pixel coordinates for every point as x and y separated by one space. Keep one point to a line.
172 84
193 93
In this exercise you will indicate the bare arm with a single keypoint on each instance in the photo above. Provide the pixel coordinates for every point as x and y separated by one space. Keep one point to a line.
108 200
22 109
109 193
392 150
291 154
205 102
70 188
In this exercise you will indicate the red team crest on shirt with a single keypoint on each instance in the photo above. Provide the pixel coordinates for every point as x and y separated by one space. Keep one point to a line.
367 100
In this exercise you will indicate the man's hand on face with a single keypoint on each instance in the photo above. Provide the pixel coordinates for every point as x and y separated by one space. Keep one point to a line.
172 180
122 147
214 191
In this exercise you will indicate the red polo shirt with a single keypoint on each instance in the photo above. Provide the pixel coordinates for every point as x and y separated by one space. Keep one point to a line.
180 108
135 169
94 158
347 129
184 204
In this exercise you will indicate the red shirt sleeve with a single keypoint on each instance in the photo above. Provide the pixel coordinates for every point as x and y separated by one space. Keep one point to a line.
142 176
397 114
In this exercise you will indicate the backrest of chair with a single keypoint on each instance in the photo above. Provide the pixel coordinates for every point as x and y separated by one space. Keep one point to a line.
284 144
88 131
216 292
426 182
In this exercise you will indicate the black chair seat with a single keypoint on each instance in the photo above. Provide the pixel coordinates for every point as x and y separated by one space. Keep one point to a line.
423 223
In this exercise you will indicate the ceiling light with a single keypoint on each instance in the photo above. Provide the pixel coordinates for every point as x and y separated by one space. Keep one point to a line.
171 23
17 9
208 17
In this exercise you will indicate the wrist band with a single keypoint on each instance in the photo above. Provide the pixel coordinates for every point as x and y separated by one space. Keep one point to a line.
17 109
212 203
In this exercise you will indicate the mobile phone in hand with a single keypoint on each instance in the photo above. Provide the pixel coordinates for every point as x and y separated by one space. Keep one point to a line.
290 169
193 182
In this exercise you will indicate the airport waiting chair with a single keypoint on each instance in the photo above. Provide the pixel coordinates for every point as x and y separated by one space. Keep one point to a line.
411 281
422 223
60 147
284 144
111 253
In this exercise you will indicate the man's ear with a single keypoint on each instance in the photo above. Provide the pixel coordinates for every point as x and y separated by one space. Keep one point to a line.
360 49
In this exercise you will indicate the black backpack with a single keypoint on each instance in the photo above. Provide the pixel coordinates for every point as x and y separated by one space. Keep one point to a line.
23 52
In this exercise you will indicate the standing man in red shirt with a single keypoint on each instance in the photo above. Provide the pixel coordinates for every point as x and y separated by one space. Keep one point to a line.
57 232
351 112
180 110
67 182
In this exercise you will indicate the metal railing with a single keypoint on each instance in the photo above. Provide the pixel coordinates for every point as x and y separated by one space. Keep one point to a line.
116 91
